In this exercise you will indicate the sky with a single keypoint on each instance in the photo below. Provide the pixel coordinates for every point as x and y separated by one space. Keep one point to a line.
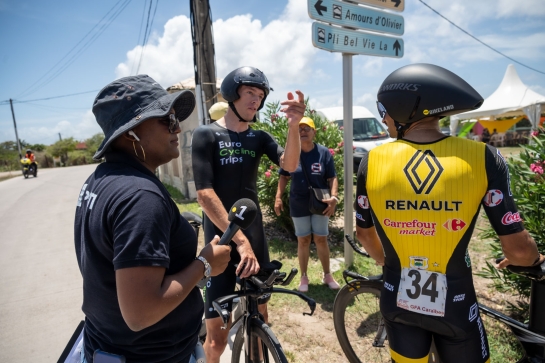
65 47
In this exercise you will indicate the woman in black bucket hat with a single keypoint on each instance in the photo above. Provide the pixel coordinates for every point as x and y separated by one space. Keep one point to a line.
135 252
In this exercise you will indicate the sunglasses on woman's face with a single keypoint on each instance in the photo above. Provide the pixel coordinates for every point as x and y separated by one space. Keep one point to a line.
381 110
172 123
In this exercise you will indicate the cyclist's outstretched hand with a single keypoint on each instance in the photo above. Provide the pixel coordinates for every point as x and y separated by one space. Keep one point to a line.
217 256
248 264
294 108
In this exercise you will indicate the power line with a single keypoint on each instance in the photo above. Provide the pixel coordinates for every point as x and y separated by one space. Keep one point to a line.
139 33
60 69
47 98
480 41
146 36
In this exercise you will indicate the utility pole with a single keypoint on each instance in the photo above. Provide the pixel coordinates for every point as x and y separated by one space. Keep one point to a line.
15 126
203 58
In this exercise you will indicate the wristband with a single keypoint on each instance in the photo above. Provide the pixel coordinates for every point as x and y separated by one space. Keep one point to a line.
335 197
536 262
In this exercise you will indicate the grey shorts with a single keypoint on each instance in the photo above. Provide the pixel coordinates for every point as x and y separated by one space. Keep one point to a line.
315 224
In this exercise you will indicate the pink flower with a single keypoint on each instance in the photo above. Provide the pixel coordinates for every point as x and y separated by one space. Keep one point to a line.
272 167
341 128
340 144
537 168
267 174
535 133
274 117
332 152
353 148
324 128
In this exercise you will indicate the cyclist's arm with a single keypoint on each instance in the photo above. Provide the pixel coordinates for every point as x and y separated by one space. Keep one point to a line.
212 206
294 110
368 238
519 249
518 246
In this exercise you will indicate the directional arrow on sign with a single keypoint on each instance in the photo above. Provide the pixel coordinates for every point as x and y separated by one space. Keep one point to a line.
397 47
319 8
355 16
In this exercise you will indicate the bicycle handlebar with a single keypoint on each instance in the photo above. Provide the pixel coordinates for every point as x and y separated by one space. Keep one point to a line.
356 248
536 272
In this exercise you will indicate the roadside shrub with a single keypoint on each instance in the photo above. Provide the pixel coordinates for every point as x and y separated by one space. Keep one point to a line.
528 187
327 134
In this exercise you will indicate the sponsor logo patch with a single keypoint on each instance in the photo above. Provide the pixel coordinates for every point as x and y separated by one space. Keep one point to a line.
359 216
510 218
438 110
493 198
388 286
418 262
460 297
363 201
423 170
316 167
414 227
455 224
473 312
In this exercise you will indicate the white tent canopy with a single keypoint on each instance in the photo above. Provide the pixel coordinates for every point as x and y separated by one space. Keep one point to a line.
511 98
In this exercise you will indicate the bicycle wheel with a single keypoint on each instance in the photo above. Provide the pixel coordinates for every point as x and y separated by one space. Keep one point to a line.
261 334
358 323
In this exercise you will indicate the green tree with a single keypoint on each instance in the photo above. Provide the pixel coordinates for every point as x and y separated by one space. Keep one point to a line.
328 134
93 143
61 149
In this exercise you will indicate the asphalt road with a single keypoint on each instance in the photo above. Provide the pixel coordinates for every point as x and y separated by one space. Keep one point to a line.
40 282
40 286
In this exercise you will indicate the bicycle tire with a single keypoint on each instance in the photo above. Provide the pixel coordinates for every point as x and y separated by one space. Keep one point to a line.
269 343
358 321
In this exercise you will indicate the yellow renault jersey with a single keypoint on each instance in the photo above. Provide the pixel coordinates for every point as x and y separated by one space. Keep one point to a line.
424 200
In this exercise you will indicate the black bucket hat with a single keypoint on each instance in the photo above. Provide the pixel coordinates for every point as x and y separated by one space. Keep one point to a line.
127 102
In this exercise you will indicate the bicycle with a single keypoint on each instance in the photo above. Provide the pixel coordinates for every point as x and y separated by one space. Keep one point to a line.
254 340
360 328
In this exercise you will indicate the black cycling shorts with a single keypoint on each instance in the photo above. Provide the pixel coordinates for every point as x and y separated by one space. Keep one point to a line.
411 342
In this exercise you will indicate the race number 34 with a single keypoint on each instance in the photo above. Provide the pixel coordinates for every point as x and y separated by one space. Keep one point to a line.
422 291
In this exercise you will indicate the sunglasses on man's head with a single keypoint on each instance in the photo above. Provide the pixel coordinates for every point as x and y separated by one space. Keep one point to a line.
172 122
381 110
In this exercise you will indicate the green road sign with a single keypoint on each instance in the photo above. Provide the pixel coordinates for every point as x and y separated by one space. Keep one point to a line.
355 16
335 39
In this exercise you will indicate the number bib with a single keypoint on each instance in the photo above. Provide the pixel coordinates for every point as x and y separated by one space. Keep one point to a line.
422 291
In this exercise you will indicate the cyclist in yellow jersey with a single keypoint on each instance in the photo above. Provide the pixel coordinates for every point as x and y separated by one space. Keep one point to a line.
417 202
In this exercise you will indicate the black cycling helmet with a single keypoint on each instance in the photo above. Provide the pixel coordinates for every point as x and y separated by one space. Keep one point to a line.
249 76
29 151
417 91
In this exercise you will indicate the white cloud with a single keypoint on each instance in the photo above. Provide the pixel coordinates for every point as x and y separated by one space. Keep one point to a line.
80 128
281 49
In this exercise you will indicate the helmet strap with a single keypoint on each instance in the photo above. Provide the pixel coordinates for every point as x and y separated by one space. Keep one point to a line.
401 129
232 107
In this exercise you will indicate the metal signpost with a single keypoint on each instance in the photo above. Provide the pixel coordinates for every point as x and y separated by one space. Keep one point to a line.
337 29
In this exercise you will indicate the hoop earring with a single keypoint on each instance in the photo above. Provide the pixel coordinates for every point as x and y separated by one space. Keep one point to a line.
143 152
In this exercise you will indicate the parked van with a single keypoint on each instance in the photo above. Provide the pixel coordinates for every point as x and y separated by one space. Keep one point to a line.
368 132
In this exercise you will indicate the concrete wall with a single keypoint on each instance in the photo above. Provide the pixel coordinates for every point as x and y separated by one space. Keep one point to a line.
179 172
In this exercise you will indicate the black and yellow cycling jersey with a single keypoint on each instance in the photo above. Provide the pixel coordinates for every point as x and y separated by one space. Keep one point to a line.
424 200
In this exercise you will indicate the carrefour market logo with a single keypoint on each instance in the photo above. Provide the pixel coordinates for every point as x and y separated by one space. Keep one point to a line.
423 171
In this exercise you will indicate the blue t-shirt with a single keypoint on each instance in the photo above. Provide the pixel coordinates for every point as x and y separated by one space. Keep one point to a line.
320 167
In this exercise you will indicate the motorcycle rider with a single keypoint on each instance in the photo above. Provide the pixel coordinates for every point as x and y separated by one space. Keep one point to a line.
30 155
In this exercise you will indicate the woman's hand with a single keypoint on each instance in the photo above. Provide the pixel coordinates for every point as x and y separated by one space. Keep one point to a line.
217 256
278 206
331 206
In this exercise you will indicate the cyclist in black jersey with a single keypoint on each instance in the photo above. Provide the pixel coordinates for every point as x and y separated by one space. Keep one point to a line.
417 202
226 157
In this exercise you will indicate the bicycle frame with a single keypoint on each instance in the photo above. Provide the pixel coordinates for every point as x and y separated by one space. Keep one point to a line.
251 289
